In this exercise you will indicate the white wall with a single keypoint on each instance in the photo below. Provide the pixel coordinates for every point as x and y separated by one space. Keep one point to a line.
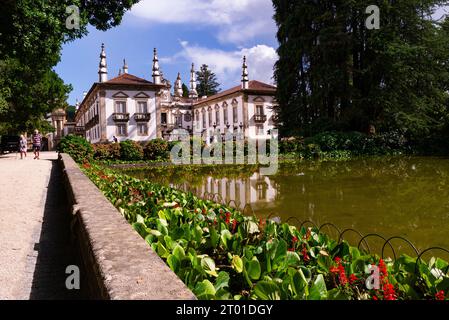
268 125
131 108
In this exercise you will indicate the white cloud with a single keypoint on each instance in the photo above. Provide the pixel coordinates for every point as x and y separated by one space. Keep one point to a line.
227 65
236 20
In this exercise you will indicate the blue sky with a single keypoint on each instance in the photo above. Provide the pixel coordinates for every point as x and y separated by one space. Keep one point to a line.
217 32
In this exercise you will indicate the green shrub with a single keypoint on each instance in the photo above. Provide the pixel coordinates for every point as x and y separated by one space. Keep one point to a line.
77 147
157 149
109 151
131 151
290 145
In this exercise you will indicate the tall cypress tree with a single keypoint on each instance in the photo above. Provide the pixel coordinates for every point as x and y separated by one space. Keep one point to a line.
207 84
335 73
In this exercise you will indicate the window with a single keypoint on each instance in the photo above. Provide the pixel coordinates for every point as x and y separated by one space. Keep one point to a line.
217 116
204 119
120 107
225 115
163 118
210 117
142 107
142 129
178 120
261 191
122 130
234 114
187 117
259 110
259 130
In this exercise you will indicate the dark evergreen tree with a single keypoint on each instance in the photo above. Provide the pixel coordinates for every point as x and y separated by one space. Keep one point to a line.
185 91
335 73
207 84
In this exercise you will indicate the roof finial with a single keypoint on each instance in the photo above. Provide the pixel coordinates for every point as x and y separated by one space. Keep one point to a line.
103 70
193 94
156 72
245 80
125 66
178 86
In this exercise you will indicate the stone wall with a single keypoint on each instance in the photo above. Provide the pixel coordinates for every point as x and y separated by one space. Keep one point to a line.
117 262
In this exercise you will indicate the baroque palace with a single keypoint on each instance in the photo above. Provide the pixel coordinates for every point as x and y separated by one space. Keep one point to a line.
131 108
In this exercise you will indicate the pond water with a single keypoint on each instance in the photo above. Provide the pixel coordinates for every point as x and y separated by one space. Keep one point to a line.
398 196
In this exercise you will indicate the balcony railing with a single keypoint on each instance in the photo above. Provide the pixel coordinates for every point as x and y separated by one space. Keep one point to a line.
142 117
120 117
260 118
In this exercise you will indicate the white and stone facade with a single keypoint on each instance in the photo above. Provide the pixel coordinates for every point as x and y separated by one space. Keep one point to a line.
131 108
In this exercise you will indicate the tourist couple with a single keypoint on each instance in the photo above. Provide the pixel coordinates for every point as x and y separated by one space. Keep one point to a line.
37 142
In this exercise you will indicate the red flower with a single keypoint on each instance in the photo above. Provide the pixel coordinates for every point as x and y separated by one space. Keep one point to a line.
228 217
375 298
389 292
352 278
440 295
334 269
337 260
234 225
307 235
304 253
383 268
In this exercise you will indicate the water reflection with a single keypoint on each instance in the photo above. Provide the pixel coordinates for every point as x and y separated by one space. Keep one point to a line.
392 196
260 192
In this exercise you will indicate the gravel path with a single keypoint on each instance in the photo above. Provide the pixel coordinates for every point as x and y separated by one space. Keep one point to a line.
34 229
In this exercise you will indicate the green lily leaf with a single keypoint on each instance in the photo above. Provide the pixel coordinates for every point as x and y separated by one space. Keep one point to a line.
208 265
226 236
204 290
173 263
179 252
162 251
253 268
267 290
293 259
222 280
237 264
299 285
318 290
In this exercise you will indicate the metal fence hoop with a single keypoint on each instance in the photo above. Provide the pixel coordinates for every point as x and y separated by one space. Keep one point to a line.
329 224
375 235
340 237
401 238
429 249
308 221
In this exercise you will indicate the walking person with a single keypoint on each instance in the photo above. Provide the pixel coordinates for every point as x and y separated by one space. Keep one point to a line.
37 142
23 146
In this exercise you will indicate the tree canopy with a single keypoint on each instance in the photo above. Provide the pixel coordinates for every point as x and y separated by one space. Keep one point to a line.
334 73
207 84
32 34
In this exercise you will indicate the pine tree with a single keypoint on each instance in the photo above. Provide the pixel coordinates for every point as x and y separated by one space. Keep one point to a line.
207 84
185 91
